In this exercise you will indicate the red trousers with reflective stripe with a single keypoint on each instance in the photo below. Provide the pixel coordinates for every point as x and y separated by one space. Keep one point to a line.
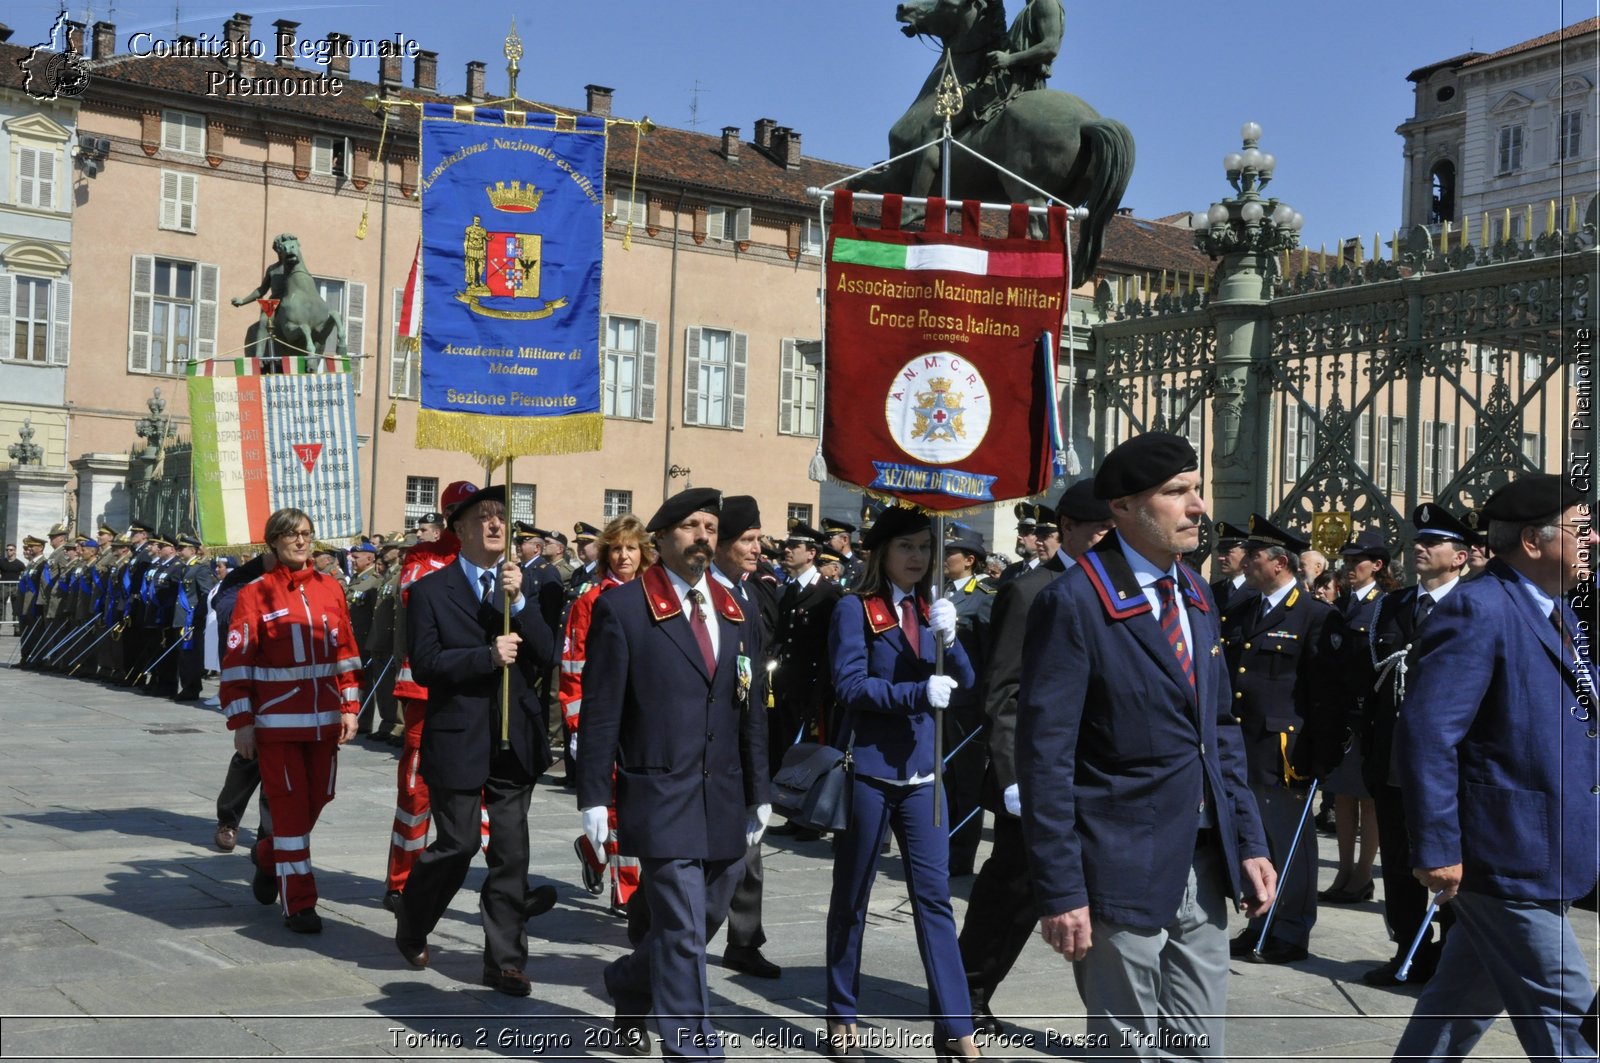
411 809
297 780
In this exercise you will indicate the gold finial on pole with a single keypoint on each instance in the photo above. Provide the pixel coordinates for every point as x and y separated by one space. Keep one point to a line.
513 54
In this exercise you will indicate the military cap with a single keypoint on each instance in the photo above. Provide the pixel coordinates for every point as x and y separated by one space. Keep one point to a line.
1079 503
895 522
1264 533
455 493
801 532
1475 527
470 498
88 544
739 514
321 549
1437 522
522 531
559 537
140 526
59 529
32 540
770 551
1229 535
156 540
122 541
106 530
870 510
833 526
828 555
679 506
967 542
1532 498
583 531
431 517
364 548
1369 543
409 540
393 543
1143 462
187 540
1027 514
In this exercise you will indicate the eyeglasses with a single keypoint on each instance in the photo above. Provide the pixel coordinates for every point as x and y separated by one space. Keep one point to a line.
296 536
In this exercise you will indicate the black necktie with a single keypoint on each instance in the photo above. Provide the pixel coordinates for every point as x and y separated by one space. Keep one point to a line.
1266 607
1425 605
486 581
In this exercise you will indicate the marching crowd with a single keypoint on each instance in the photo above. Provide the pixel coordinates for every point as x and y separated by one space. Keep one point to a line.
1147 747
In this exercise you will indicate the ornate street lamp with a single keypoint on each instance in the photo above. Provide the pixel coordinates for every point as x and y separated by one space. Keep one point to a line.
1247 221
26 452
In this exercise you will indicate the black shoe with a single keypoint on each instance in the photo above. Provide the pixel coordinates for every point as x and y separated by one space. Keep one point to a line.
1384 975
392 902
1279 952
1325 821
983 1020
305 921
630 1035
1244 944
748 960
539 900
264 885
181 696
809 834
593 881
1347 896
786 827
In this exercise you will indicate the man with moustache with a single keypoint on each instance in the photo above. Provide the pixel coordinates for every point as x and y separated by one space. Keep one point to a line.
672 698
1136 813
1497 759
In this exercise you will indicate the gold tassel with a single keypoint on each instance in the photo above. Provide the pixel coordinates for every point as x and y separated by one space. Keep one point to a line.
488 437
390 419
410 344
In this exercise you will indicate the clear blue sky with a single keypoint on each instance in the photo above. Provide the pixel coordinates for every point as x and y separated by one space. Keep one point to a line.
1325 78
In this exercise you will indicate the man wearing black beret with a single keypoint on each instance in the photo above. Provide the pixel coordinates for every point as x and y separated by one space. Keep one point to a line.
1497 755
673 699
1139 823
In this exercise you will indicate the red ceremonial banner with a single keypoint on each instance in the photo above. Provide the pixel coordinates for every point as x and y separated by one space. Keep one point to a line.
938 382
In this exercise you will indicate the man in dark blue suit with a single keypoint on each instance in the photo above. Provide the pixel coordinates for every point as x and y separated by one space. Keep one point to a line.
1138 818
472 745
1496 751
672 698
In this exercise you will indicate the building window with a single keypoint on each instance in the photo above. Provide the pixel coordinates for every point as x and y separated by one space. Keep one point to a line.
182 131
1510 149
1532 367
1500 232
630 369
405 366
728 224
178 195
1533 449
1391 456
629 207
799 387
799 513
523 497
349 300
1569 138
1438 456
617 504
36 178
422 496
1442 179
173 316
1299 439
714 381
811 237
30 321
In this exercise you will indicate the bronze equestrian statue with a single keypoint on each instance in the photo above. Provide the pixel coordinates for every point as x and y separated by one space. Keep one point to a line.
297 321
1050 139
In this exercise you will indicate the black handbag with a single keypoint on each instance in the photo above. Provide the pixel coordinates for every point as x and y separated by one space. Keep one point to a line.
812 787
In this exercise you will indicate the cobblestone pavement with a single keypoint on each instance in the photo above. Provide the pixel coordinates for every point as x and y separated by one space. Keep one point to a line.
124 933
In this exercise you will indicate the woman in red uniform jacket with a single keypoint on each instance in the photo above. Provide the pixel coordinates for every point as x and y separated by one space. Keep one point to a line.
291 688
625 551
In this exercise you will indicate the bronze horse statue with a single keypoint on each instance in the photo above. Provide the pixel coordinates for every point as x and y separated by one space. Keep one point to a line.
1048 138
300 321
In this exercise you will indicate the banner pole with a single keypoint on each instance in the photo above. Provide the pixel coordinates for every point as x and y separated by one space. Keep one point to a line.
505 623
936 551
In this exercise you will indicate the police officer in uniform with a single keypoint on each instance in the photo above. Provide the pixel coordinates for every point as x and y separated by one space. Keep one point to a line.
114 613
1027 538
1227 565
163 581
135 637
51 624
542 584
800 686
1439 555
33 558
838 534
582 577
1280 645
973 596
195 575
379 648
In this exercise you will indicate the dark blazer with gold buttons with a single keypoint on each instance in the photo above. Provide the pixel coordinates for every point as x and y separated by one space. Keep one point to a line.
1281 665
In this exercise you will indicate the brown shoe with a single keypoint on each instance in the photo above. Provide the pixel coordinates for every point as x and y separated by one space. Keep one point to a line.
511 982
226 837
415 953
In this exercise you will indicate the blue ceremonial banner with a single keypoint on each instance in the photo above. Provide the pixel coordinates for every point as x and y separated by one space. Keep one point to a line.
512 232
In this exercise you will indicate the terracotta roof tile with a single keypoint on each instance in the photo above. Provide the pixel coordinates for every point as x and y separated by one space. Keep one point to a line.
1577 29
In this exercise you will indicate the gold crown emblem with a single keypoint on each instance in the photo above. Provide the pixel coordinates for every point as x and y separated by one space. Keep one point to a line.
939 387
514 198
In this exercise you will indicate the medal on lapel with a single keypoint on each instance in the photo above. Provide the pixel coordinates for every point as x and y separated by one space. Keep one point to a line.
745 677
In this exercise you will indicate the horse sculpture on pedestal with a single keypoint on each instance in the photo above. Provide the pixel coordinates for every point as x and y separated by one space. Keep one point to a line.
295 320
1052 140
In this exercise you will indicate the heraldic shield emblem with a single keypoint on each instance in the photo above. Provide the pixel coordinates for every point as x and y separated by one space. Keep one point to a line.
938 408
502 266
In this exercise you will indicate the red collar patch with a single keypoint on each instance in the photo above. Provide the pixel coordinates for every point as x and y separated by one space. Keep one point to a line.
881 616
662 597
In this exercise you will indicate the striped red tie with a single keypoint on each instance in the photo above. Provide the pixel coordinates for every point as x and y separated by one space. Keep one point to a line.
1172 626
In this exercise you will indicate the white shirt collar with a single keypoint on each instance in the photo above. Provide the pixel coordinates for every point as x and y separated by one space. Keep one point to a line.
718 575
1065 558
1238 581
1144 570
1361 594
683 586
808 577
1540 598
897 596
1033 562
1438 593
1280 594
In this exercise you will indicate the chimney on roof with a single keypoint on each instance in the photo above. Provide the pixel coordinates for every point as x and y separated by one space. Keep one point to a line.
764 128
284 35
730 143
75 37
105 40
427 71
236 37
475 81
339 49
599 100
786 147
5 33
390 65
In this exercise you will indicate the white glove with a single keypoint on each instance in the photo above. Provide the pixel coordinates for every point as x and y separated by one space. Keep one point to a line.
572 746
1013 799
756 823
942 618
597 826
939 688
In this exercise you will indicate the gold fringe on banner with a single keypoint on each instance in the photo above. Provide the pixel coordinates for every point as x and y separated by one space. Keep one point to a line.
490 438
410 344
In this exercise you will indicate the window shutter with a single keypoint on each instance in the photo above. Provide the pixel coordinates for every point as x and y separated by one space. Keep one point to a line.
169 200
647 370
321 155
741 344
691 377
61 323
27 176
7 301
144 271
741 225
205 332
46 197
1448 472
397 357
188 186
355 327
1397 454
1291 439
786 424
